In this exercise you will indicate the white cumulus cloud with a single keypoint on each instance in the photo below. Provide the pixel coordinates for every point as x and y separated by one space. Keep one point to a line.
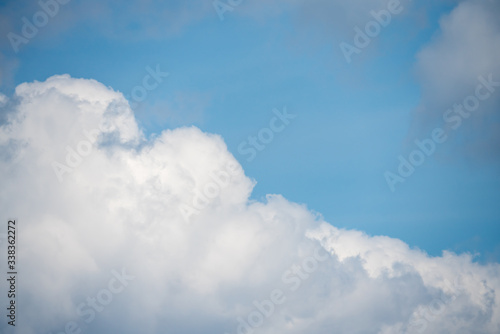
103 246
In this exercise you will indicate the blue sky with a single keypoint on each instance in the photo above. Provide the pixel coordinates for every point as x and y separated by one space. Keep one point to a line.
353 120
190 165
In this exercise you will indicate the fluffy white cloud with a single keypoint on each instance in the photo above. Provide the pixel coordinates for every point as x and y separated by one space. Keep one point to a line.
116 207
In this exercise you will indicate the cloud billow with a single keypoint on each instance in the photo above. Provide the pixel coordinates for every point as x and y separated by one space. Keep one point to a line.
116 212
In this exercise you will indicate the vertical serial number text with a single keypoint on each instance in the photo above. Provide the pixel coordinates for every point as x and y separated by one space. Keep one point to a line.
12 272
